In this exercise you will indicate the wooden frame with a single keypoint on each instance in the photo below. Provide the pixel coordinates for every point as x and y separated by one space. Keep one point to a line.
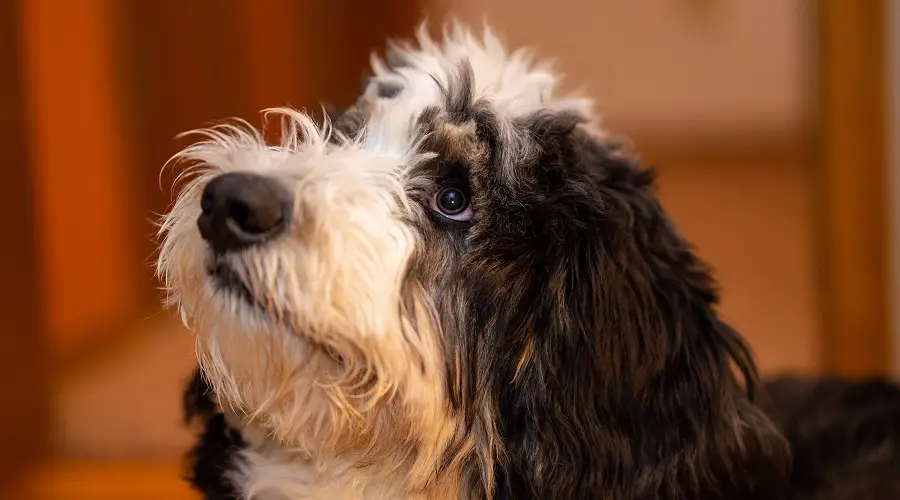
852 156
893 132
24 355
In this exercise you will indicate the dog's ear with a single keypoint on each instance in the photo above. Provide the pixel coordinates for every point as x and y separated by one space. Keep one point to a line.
346 121
620 377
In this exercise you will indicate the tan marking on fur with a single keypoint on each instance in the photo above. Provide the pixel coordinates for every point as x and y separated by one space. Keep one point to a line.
557 288
459 143
524 357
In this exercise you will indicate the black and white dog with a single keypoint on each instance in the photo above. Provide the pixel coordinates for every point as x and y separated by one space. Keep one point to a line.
461 288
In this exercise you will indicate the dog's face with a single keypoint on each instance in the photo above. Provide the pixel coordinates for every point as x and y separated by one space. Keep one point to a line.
460 254
331 279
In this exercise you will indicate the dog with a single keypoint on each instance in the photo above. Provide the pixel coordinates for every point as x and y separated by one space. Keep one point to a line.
462 288
844 435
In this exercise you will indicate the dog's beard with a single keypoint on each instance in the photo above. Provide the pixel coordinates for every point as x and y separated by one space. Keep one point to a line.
270 376
322 387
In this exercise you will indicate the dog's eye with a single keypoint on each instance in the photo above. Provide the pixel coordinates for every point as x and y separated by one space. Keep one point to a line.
452 203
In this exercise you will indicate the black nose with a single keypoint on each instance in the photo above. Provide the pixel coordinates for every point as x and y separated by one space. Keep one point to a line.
242 209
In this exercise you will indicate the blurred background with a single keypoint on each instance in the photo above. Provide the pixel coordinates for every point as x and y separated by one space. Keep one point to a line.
772 123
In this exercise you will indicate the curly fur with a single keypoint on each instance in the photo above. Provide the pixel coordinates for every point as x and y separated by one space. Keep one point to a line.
563 343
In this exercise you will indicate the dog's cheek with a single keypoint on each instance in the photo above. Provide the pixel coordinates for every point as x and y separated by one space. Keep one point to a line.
181 262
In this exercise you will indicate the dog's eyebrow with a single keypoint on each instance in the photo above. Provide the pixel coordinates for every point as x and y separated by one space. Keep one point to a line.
454 142
384 89
387 90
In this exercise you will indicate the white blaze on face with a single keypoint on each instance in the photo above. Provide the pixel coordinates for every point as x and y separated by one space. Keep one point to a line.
329 306
512 82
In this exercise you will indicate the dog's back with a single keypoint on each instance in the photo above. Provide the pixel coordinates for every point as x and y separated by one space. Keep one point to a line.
845 436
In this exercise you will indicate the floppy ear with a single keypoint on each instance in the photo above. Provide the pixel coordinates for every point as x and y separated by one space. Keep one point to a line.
616 369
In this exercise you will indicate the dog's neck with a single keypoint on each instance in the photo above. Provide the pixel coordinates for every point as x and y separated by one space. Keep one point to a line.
265 470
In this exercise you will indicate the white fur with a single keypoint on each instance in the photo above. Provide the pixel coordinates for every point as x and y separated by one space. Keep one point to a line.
333 286
512 82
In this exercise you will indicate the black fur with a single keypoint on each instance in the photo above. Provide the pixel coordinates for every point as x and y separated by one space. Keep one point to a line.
626 391
345 121
212 457
845 436
576 312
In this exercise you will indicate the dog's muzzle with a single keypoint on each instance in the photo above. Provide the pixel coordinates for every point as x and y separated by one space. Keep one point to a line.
241 209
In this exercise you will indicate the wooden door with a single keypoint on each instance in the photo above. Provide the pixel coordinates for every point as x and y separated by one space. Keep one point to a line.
854 188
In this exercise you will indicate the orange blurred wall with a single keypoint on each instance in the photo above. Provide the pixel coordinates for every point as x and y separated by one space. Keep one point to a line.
78 152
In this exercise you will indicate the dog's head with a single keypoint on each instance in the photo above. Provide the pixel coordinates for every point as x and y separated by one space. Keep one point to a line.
461 271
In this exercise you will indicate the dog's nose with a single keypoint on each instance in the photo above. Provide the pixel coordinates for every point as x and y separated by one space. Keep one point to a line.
241 209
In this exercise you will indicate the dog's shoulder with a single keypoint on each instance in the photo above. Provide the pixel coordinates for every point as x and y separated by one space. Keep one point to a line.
845 435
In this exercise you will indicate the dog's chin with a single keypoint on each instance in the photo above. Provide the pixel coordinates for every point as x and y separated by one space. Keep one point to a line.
231 290
227 284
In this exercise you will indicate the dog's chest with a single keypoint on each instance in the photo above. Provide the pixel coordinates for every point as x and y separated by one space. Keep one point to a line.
275 478
265 472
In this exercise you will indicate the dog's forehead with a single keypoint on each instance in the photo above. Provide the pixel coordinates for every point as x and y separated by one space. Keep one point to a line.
415 79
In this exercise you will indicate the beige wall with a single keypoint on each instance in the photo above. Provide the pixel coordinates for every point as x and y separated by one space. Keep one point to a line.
671 64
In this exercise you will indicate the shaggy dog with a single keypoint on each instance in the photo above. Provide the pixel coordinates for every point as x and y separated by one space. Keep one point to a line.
460 288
